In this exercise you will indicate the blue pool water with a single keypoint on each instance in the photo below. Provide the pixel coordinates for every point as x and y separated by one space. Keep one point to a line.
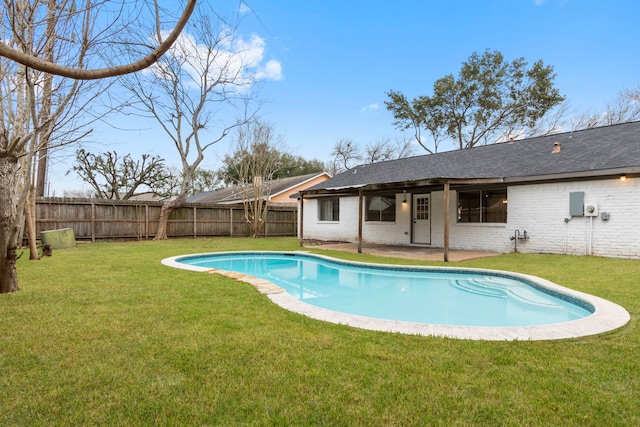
452 297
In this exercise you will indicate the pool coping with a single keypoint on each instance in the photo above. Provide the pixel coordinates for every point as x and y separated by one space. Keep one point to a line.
606 317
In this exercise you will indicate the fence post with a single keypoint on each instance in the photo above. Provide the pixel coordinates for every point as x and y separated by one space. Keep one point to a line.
231 222
139 222
146 221
93 221
195 222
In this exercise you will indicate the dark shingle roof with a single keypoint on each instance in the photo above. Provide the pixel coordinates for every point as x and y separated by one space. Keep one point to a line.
581 152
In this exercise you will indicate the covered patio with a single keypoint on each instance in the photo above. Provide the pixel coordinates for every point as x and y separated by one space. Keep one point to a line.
446 185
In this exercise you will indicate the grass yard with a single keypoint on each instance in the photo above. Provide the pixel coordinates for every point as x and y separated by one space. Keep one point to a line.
103 334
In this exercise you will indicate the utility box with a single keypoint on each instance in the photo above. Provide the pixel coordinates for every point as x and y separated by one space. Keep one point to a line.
59 239
576 203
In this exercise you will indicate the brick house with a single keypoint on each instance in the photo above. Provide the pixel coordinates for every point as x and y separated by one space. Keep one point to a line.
571 193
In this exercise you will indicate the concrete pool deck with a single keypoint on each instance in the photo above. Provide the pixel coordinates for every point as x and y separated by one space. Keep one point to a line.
606 317
407 252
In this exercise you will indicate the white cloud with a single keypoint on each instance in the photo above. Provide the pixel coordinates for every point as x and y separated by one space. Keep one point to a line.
370 107
272 70
252 52
540 2
236 61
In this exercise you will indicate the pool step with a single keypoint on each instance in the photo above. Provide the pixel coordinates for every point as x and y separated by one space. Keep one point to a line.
494 287
474 287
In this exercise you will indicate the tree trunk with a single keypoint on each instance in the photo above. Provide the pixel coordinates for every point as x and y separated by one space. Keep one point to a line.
165 211
45 110
30 217
8 229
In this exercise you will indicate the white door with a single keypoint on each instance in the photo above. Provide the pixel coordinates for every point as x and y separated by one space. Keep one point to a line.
421 219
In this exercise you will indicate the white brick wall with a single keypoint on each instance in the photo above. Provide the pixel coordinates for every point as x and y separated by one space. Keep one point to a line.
540 209
345 230
392 233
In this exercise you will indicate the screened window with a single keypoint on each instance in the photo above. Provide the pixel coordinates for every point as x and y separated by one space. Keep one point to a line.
329 209
380 208
483 206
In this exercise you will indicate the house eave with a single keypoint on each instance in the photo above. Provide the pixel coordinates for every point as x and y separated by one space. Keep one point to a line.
580 175
454 182
406 185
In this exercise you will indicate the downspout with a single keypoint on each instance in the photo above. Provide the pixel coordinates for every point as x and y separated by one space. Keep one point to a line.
360 220
590 237
446 220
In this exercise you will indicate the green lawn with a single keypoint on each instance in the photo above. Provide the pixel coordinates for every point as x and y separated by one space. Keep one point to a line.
103 334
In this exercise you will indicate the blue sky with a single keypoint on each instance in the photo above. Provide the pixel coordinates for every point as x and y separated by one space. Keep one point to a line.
339 58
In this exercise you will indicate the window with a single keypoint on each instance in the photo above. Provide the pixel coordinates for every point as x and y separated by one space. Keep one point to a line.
329 209
380 208
483 206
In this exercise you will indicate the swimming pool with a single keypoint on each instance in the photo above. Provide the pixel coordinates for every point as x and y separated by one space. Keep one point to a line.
464 303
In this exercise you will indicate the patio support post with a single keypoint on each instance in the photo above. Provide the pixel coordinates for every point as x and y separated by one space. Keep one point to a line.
360 220
446 221
301 213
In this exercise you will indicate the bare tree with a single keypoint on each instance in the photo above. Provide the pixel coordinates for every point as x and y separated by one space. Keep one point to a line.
258 155
378 151
559 119
34 105
332 167
346 154
384 149
554 121
190 91
404 148
624 108
120 177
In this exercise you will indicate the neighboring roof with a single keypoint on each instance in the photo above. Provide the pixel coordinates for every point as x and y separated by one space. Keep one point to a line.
285 184
234 194
216 196
149 195
584 153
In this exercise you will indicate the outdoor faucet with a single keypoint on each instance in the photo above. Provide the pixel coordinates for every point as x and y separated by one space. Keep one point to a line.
518 236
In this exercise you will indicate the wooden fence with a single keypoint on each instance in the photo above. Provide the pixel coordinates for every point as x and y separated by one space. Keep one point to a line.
95 220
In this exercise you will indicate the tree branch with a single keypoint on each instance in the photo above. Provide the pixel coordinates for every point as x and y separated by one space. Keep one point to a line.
81 74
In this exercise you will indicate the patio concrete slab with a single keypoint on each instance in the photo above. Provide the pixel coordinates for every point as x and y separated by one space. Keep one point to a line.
406 252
